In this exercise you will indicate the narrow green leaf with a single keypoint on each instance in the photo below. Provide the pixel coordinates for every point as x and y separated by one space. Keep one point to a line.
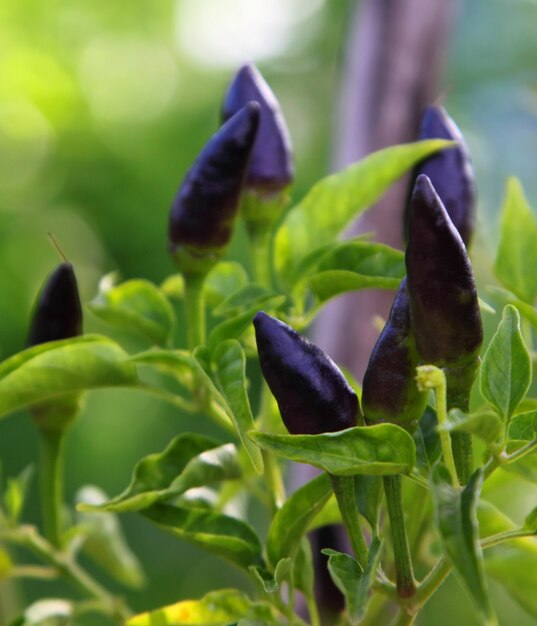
293 519
189 461
217 608
236 326
455 514
270 583
136 305
226 277
16 494
57 368
351 265
378 450
334 201
104 542
484 424
517 253
222 535
247 297
349 579
505 374
230 363
523 427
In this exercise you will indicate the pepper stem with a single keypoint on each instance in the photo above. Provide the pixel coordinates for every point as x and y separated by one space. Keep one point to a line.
404 574
194 309
345 492
51 483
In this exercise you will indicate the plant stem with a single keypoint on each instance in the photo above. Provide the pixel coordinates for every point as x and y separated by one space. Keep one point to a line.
446 441
405 618
194 310
495 540
261 253
432 582
343 487
404 574
51 483
459 385
28 537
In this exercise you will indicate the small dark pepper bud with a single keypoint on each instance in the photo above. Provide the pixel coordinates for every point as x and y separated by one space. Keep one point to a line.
57 312
203 212
271 167
450 170
444 309
313 395
389 391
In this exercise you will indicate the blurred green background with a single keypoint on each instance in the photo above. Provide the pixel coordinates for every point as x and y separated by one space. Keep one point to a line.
103 107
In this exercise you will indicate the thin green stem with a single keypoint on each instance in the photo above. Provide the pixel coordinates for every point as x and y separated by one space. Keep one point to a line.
405 618
344 490
51 483
28 537
432 582
508 535
261 254
404 574
194 310
504 458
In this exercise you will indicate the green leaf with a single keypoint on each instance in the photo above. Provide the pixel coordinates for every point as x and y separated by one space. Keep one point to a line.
523 427
353 265
526 466
505 374
293 519
236 326
104 542
334 201
189 461
455 514
57 368
484 424
217 608
222 535
349 579
369 491
16 494
137 305
176 363
6 564
247 297
428 448
270 583
517 253
304 570
230 365
378 450
531 520
173 287
226 277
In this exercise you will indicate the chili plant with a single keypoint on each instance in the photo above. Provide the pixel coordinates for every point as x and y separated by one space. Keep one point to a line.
402 464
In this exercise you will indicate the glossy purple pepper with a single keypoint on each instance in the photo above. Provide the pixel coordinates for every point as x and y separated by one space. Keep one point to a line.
57 312
271 166
203 212
450 170
389 390
312 394
444 309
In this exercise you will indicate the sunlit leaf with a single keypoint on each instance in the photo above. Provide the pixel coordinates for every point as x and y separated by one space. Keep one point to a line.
53 369
218 608
104 542
505 374
456 520
189 461
176 363
378 450
137 305
222 535
354 584
248 297
335 200
230 363
517 254
294 517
